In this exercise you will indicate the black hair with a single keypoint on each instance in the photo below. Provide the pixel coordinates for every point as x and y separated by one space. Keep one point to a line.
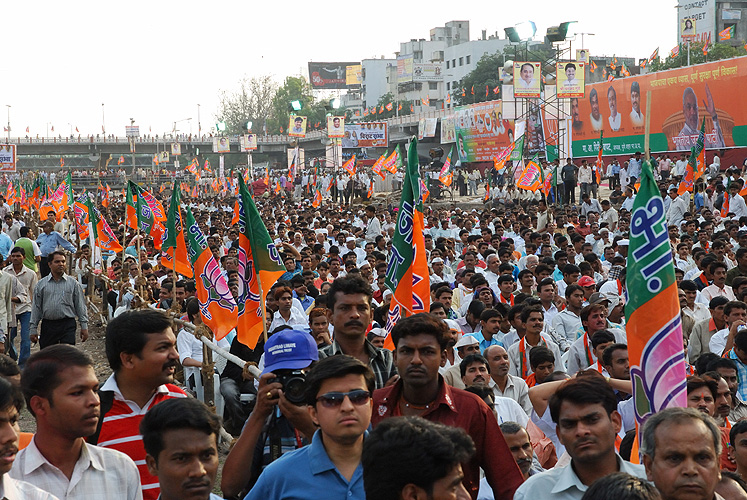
607 354
175 414
583 391
40 375
336 367
621 486
8 366
20 250
420 323
472 358
601 337
128 333
539 355
348 285
703 363
411 450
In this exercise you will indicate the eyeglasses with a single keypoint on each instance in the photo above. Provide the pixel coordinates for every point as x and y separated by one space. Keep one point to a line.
358 397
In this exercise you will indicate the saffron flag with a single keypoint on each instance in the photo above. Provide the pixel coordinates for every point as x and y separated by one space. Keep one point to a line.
592 66
548 183
317 201
531 177
102 235
390 163
423 193
726 34
446 176
349 166
217 306
370 190
412 108
695 164
174 248
80 213
121 160
377 166
426 100
487 193
725 204
259 261
145 212
499 161
654 327
654 55
675 51
407 266
389 107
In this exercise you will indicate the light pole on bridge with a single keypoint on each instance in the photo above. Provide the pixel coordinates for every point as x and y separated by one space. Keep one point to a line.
8 106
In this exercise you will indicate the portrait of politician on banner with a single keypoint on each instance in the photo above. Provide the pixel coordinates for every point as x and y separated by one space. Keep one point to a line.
297 126
570 79
248 142
582 55
221 145
176 149
335 126
687 29
527 77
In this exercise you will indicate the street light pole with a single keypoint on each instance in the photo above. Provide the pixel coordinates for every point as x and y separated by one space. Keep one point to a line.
103 121
199 127
8 106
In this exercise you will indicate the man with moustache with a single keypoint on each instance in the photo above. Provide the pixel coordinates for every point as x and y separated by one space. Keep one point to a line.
141 350
60 386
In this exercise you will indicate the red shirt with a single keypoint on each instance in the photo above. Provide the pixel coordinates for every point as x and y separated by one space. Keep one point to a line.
457 408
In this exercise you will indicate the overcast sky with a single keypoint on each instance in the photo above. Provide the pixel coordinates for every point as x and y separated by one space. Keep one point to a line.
155 61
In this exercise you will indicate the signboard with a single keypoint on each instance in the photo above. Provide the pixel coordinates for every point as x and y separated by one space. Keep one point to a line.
702 14
535 134
248 142
681 98
527 79
366 135
335 126
582 55
297 126
404 68
133 131
7 157
221 145
354 75
481 132
163 157
570 78
329 75
448 133
176 148
427 127
426 72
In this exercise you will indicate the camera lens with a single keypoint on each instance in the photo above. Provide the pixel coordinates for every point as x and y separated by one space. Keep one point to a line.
294 389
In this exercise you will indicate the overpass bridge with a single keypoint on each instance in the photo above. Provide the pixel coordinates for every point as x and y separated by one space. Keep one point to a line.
85 152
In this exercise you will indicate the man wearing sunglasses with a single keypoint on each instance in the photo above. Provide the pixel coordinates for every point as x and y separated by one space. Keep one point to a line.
338 395
276 426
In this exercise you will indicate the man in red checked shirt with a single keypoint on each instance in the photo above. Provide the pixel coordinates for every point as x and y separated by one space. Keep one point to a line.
420 343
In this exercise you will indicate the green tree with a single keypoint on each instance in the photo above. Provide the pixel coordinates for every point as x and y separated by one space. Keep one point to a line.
487 73
251 102
716 52
295 88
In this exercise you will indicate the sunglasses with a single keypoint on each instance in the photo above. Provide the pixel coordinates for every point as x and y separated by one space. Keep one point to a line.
358 397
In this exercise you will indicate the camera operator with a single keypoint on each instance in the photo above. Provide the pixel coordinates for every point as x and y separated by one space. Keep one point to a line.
276 425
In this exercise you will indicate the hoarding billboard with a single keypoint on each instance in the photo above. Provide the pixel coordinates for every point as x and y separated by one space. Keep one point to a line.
366 135
329 75
680 98
480 130
527 79
702 16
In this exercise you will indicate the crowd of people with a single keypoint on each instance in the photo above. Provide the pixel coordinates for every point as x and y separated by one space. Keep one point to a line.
516 384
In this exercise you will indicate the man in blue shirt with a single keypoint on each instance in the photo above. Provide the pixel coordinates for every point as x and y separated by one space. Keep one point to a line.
48 242
338 394
301 293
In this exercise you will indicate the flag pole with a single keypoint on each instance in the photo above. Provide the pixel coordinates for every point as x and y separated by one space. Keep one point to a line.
647 139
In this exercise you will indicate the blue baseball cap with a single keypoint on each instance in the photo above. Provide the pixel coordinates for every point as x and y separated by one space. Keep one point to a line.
290 350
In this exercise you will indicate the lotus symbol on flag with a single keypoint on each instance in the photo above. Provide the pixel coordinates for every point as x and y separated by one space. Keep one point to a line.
218 290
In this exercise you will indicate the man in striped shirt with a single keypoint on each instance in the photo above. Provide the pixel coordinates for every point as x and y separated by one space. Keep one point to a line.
141 349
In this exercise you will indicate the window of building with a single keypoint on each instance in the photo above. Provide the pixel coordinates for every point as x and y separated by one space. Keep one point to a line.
417 55
461 61
447 64
448 85
468 59
453 63
432 85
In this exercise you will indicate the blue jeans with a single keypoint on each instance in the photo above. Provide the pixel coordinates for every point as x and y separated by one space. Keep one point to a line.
23 319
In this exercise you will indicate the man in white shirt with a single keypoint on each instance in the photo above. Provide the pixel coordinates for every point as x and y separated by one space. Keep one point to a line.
61 387
736 202
735 315
373 227
677 208
719 287
11 403
609 215
587 403
503 383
